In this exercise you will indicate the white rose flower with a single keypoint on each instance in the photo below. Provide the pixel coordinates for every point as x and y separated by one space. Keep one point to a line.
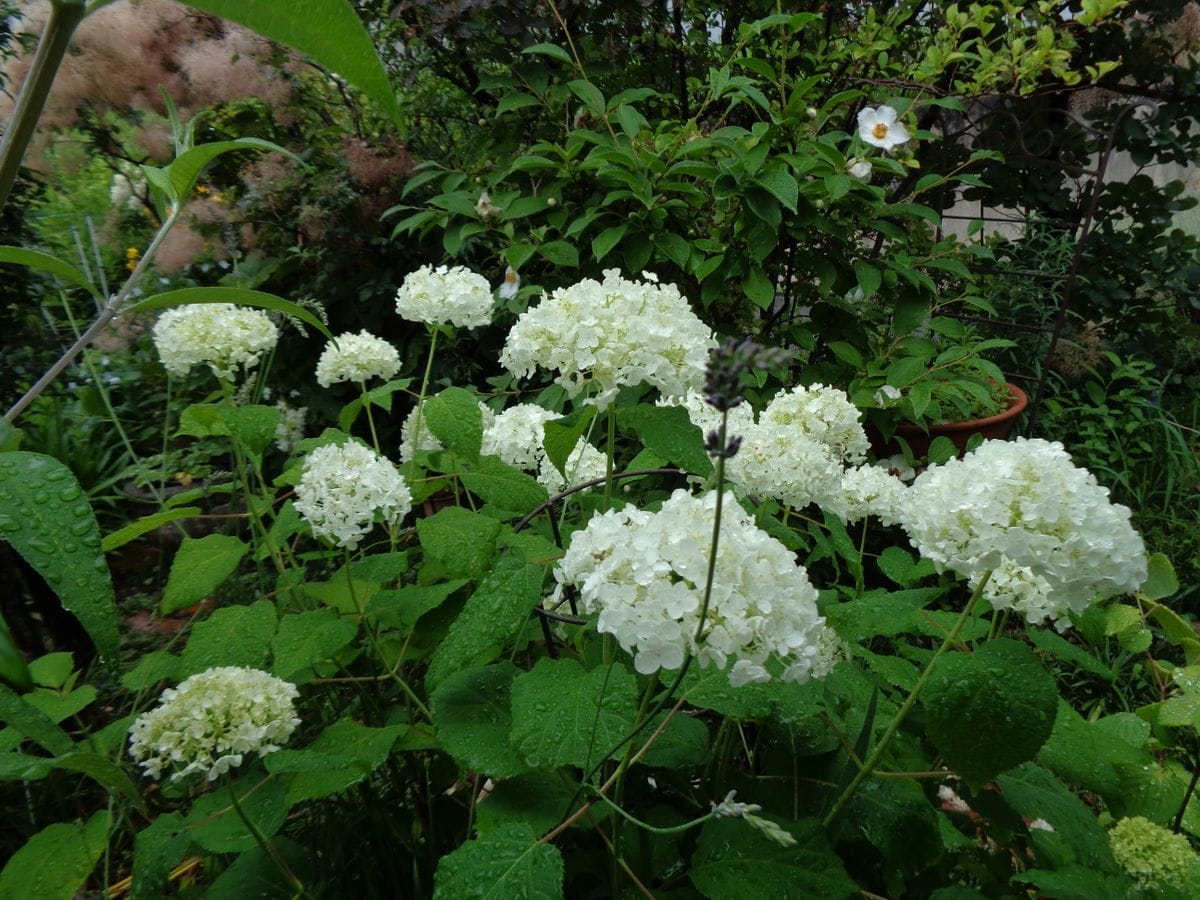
644 574
456 296
224 336
879 128
1047 529
343 488
211 721
357 357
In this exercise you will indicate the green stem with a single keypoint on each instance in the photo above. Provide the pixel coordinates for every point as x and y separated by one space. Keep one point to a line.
65 16
653 829
872 761
416 442
608 461
265 843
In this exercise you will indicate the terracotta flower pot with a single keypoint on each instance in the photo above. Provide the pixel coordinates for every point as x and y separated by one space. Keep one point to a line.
994 427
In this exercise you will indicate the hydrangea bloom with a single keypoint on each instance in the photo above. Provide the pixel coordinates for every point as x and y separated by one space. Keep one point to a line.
222 335
611 334
212 720
518 435
357 357
457 296
1156 857
823 414
1021 508
879 128
867 491
644 573
342 488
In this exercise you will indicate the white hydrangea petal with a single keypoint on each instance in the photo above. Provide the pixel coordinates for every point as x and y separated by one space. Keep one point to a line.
357 357
223 336
343 488
455 295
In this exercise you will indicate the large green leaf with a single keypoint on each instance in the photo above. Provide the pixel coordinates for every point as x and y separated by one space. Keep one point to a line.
460 540
731 856
344 754
44 262
215 825
307 638
506 862
473 720
492 618
327 30
138 527
564 714
506 489
186 168
200 566
46 518
240 296
455 419
667 430
157 849
55 862
990 710
233 636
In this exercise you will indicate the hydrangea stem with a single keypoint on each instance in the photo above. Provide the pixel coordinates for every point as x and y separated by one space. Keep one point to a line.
872 761
416 441
608 461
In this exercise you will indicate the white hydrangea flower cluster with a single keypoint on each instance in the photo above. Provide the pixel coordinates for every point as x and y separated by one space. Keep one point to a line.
644 573
222 335
1156 857
1021 508
289 431
212 720
429 443
455 295
357 357
611 334
797 453
342 488
517 436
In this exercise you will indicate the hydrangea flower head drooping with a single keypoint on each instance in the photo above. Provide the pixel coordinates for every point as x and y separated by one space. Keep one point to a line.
456 296
612 334
644 573
878 127
212 720
357 357
222 335
1047 529
342 488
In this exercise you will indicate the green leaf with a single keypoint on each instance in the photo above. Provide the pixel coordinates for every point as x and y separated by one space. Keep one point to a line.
898 565
492 618
910 313
454 418
55 862
674 248
1077 837
30 722
307 638
186 168
378 396
103 771
869 278
232 636
215 825
402 608
782 184
44 262
589 94
759 288
515 100
157 849
46 518
255 874
343 755
1161 580
462 541
253 425
536 799
990 710
552 50
240 296
138 527
668 431
506 862
502 486
201 565
563 714
1090 755
560 253
897 820
560 438
471 713
153 668
329 31
730 856
12 663
202 420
